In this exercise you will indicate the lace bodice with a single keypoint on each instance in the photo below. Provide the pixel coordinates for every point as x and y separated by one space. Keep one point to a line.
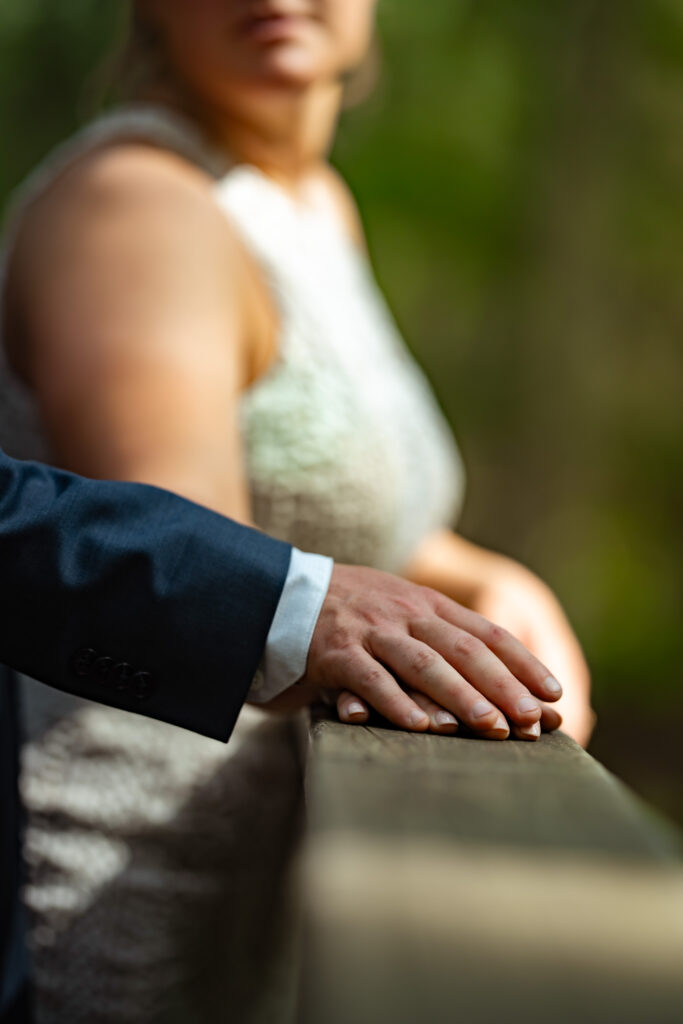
345 449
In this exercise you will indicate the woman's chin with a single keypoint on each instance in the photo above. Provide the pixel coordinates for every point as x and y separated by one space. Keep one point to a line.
287 66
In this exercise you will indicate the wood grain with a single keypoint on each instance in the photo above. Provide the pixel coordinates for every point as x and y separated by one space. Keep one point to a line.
451 879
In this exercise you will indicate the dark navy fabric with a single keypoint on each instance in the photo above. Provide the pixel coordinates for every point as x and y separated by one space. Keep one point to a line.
130 596
19 1011
14 966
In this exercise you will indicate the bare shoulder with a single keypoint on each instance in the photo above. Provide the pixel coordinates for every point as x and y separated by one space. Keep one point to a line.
338 195
125 166
128 193
129 235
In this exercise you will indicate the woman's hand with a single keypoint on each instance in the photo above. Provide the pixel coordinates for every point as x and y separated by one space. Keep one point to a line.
375 628
519 601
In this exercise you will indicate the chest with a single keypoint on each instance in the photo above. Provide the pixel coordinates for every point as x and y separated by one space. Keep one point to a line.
345 447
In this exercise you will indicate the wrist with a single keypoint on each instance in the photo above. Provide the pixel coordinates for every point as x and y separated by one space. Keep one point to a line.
456 567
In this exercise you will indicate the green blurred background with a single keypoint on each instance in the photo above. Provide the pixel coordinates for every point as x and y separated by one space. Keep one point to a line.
519 169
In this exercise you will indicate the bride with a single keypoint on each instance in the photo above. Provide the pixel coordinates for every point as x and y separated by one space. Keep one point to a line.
188 303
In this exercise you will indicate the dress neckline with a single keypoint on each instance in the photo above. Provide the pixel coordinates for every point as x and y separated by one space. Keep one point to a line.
170 127
215 160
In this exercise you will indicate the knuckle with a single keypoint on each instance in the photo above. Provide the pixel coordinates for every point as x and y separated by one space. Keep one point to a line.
371 678
410 608
336 656
497 634
420 623
431 597
343 640
384 636
422 661
503 686
466 645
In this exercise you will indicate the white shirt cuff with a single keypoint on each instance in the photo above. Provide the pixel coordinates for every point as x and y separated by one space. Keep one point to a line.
289 638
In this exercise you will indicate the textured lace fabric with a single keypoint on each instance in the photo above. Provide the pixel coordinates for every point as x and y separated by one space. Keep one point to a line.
346 450
147 846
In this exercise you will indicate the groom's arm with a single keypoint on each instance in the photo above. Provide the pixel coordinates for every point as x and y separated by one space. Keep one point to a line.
137 598
134 597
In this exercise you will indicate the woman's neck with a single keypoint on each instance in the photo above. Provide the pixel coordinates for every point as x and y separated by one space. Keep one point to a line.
286 134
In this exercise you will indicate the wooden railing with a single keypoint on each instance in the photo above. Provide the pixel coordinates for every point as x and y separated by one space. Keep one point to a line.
449 879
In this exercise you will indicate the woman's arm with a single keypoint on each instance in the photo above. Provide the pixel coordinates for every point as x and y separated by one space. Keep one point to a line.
132 292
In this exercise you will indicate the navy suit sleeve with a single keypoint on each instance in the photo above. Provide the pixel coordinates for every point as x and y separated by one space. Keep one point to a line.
132 596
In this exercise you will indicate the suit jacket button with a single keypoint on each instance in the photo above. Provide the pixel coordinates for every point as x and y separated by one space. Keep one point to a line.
143 685
101 668
82 661
121 675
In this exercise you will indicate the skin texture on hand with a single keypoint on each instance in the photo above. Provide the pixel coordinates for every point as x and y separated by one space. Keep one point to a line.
512 596
375 629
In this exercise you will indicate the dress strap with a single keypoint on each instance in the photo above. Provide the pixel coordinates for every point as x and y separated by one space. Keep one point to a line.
150 123
136 121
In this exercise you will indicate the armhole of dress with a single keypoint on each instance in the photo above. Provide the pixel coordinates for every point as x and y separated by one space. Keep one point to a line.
140 123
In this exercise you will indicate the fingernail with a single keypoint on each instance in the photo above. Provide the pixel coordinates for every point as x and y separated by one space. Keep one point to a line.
527 704
355 708
500 725
552 686
417 717
444 718
530 730
481 708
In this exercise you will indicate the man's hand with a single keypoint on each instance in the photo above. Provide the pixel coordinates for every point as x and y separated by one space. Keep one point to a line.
375 628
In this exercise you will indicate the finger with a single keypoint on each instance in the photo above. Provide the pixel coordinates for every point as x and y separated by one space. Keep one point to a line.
440 720
423 669
481 667
551 719
351 709
526 732
373 684
511 651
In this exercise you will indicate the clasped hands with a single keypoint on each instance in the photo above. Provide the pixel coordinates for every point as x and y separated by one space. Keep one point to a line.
455 666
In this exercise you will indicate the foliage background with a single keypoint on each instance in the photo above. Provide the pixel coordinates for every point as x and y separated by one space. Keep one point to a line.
519 170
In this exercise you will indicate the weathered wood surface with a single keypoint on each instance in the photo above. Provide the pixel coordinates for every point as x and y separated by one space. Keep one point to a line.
450 879
548 793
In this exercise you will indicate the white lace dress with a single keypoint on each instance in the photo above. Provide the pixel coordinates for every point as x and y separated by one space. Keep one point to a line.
155 857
